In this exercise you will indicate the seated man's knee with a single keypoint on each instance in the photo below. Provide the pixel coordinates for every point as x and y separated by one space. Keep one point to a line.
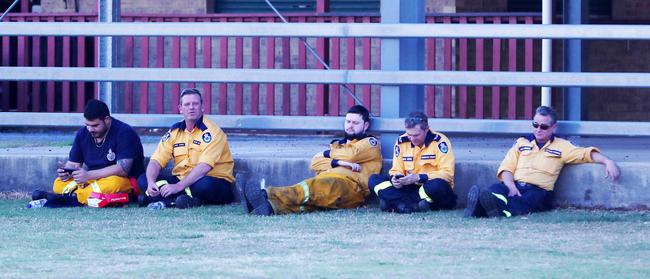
437 186
375 179
498 188
142 183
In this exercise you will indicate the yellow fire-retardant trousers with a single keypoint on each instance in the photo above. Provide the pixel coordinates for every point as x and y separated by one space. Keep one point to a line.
106 185
325 191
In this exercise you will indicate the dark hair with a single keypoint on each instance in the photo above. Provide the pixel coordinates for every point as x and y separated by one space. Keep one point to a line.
361 110
547 111
416 118
191 91
96 109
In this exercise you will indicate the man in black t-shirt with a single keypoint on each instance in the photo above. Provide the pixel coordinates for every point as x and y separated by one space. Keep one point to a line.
111 153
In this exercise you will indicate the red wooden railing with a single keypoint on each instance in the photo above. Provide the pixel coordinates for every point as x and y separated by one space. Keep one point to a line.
285 99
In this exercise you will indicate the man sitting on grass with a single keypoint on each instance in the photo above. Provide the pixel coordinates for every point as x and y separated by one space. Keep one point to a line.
530 169
112 153
341 179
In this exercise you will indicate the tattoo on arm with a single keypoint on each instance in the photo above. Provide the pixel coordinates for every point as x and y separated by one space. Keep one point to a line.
125 164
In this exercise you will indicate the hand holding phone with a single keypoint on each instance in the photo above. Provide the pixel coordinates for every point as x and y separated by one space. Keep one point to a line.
69 170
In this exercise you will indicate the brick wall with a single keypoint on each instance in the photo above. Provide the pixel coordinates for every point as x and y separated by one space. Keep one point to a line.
129 6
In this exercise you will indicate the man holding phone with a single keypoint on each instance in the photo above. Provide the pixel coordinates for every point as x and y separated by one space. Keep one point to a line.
422 176
112 153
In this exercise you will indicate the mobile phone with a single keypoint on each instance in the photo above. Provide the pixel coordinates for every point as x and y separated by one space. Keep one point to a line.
69 170
398 176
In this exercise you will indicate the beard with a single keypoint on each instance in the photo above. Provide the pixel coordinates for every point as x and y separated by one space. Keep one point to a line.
357 136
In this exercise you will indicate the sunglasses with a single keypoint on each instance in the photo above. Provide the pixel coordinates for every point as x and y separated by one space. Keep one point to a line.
541 126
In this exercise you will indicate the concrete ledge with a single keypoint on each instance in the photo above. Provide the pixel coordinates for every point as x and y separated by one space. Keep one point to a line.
578 186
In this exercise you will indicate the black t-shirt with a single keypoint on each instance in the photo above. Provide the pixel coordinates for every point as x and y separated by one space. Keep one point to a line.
122 142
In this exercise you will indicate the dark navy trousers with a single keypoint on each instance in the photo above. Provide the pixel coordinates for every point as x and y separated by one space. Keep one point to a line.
533 198
437 189
210 190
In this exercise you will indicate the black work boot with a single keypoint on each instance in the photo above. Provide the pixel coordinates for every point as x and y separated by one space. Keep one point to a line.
143 200
257 197
384 205
185 201
39 195
474 208
424 206
403 208
494 207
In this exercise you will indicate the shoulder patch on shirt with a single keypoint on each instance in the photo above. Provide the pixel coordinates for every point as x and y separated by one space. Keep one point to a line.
372 141
443 147
207 137
166 136
396 150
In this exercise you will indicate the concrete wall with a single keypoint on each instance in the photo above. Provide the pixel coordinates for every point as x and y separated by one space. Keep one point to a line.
578 186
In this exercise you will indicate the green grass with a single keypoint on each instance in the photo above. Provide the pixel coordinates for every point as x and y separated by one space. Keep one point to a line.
222 241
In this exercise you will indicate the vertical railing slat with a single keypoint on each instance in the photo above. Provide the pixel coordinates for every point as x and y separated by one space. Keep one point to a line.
207 63
322 48
81 62
528 67
270 64
176 63
65 86
51 55
302 64
430 90
496 66
335 63
160 63
512 67
144 63
191 53
366 48
21 61
351 62
480 58
128 86
462 90
286 64
223 63
36 61
447 64
255 64
5 62
239 87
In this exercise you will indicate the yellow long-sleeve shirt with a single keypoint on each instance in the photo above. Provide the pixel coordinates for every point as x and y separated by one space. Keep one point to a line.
542 166
206 143
435 159
365 152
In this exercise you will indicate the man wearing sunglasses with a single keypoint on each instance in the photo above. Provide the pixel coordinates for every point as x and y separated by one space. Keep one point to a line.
530 169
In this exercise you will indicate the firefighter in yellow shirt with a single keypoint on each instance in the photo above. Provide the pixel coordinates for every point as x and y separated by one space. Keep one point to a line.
203 164
341 175
422 176
530 169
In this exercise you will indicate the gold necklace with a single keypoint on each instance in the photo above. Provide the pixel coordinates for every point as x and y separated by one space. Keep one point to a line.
103 139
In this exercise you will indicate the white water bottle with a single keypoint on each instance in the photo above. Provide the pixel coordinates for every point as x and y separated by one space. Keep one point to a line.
36 203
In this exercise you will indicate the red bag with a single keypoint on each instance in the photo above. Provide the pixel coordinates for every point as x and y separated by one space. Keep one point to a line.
107 200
